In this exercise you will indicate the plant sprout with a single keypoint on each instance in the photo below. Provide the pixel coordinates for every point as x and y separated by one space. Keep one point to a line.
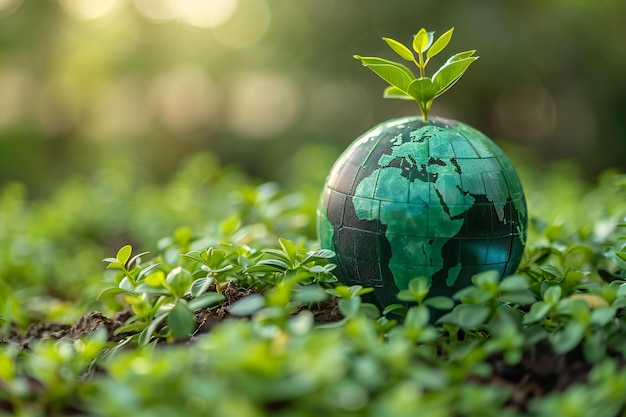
423 89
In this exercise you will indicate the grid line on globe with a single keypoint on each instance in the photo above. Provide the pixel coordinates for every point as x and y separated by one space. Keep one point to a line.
411 198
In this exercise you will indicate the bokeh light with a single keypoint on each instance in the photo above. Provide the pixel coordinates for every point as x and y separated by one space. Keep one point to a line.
9 6
184 99
246 27
119 111
204 13
155 10
261 105
198 13
90 9
255 81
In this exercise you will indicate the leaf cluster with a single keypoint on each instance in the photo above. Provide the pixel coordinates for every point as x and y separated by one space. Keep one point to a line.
164 295
431 356
404 85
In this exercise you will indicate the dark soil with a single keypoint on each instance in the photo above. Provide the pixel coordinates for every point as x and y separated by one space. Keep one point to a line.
540 371
84 326
206 319
326 312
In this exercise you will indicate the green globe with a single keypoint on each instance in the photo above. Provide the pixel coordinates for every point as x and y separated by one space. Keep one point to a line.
411 198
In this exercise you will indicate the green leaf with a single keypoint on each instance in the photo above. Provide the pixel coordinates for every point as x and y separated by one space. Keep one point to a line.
487 279
135 259
467 316
123 255
440 302
180 320
369 310
110 292
147 270
538 311
146 335
358 290
522 297
417 317
301 324
126 285
310 294
278 253
553 270
193 255
156 280
206 300
213 257
422 41
621 291
268 265
400 49
289 248
400 77
179 279
319 255
322 269
247 305
417 290
602 315
115 265
553 294
574 249
461 55
568 337
394 73
395 92
396 309
342 291
513 283
419 286
422 90
449 74
199 286
440 44
348 307
145 288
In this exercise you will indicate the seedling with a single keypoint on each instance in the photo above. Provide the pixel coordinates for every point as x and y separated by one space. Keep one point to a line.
404 85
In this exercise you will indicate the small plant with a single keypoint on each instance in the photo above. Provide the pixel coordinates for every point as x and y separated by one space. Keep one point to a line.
164 293
422 89
156 297
272 355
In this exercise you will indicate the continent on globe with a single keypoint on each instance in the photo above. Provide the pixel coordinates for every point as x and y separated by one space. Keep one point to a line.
411 198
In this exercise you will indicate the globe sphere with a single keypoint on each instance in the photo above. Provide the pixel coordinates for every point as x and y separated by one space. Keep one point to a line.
411 198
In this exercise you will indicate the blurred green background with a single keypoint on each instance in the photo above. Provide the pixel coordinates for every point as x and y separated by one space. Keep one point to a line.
158 123
271 85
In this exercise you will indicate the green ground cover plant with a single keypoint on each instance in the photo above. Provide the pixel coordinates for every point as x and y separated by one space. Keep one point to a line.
215 299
